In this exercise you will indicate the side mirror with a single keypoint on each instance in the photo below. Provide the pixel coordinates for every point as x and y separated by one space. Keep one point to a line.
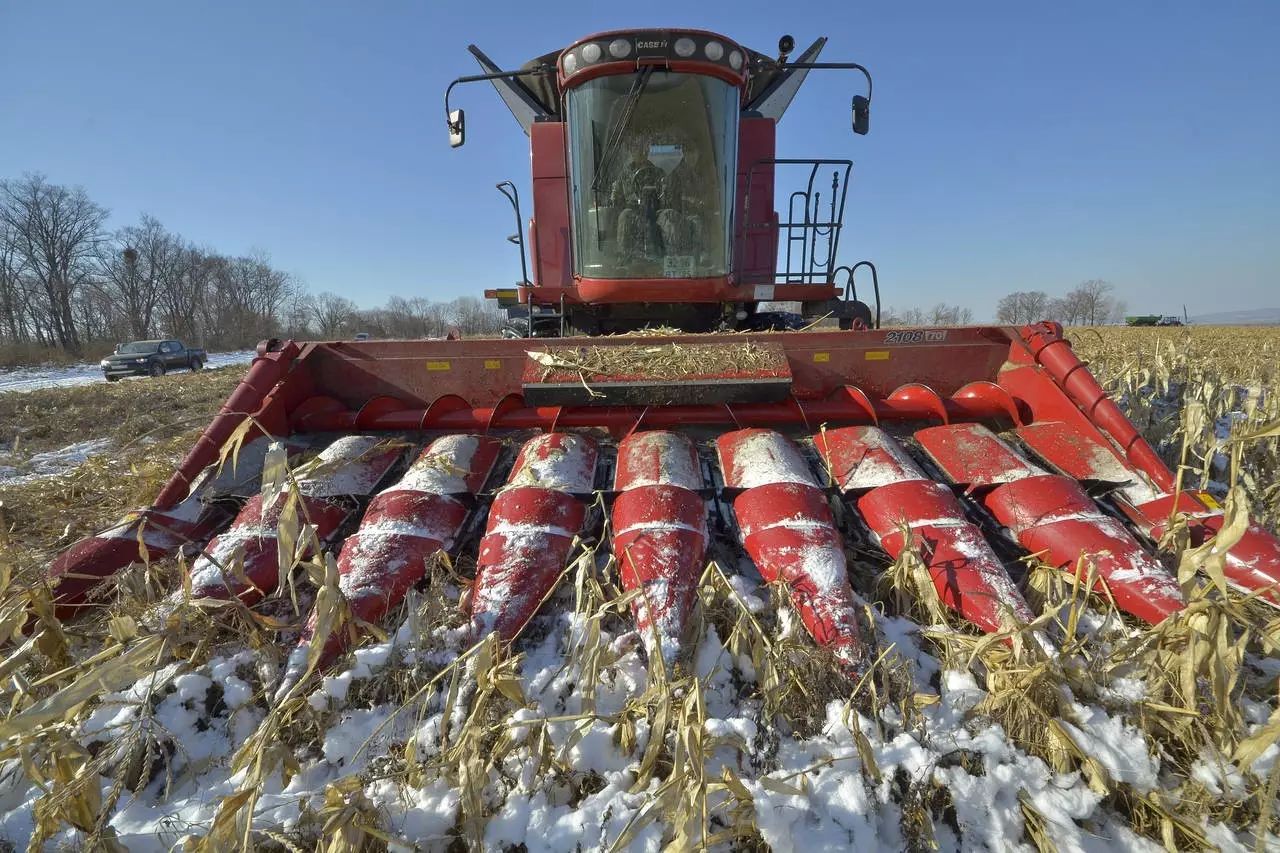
457 128
861 114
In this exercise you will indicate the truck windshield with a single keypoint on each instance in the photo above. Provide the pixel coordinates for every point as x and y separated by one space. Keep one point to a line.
140 347
652 159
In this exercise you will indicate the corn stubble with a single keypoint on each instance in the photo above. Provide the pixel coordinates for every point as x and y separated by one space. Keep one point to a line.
1206 398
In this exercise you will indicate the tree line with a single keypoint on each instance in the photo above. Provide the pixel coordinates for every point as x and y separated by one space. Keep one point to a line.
1090 303
71 284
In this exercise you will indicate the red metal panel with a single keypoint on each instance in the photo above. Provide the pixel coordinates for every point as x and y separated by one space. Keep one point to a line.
163 532
822 363
863 458
404 527
1052 516
530 530
660 534
553 265
1076 454
1053 352
1252 564
92 560
253 535
787 529
757 248
268 368
657 457
839 409
345 469
893 496
970 454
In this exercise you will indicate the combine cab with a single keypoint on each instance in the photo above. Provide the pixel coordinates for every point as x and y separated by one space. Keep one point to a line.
658 201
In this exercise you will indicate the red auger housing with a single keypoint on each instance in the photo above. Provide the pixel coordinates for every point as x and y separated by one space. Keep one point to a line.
654 176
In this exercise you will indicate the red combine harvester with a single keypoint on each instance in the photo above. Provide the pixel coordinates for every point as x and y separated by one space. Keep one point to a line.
655 184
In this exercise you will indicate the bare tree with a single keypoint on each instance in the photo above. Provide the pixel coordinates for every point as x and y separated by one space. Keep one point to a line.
13 292
333 314
178 302
475 316
1023 306
55 230
137 266
299 309
943 314
1095 300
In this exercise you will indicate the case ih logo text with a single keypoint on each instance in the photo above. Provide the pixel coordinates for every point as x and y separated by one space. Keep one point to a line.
650 44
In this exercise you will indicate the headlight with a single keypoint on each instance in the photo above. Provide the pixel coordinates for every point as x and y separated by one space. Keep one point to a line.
139 361
104 363
714 50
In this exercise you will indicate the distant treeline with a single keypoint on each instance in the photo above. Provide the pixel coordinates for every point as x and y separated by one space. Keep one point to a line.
69 285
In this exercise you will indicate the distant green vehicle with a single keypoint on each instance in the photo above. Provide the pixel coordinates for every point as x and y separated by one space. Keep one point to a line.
1152 320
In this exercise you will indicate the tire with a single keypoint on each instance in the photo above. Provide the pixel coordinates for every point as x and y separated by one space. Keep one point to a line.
113 378
156 368
196 364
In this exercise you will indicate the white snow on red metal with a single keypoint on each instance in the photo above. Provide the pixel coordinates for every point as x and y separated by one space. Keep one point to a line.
1052 516
351 466
660 534
405 526
972 455
530 531
892 495
787 529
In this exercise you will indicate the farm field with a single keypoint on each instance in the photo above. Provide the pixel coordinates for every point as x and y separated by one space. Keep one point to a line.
154 721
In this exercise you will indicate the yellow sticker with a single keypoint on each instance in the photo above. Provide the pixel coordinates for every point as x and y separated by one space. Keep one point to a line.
1209 501
437 365
822 356
492 364
877 355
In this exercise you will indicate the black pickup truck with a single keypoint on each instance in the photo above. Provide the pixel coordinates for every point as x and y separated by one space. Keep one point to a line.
154 358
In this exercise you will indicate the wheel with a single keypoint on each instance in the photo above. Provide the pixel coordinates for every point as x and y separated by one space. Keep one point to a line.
156 369
196 364
113 378
517 327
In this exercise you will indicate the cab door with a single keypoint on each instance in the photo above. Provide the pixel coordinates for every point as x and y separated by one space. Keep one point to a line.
172 354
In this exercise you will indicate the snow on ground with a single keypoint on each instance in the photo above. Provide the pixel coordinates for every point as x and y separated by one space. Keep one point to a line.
51 463
564 780
55 376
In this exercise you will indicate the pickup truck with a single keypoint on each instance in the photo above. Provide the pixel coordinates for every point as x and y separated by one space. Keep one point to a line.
151 358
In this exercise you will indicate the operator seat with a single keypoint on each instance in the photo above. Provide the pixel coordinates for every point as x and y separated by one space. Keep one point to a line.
657 216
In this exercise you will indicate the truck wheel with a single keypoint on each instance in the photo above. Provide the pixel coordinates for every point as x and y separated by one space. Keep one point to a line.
196 364
113 378
156 369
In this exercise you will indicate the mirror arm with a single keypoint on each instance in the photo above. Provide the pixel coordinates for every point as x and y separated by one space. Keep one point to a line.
496 75
845 66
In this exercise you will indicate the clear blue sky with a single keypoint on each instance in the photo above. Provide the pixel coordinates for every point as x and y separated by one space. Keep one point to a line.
1019 145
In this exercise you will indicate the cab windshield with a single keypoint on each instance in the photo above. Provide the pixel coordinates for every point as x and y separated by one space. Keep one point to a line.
140 347
652 159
